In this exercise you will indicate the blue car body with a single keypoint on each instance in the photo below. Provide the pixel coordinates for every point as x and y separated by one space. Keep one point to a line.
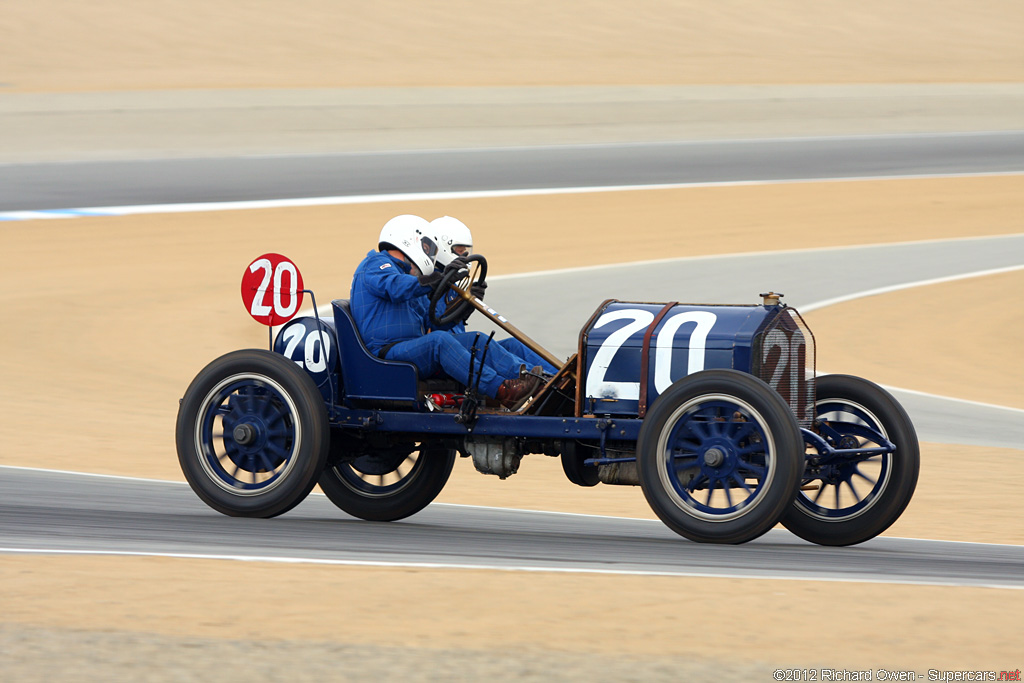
629 353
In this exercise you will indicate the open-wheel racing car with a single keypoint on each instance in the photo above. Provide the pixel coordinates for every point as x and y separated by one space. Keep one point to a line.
713 410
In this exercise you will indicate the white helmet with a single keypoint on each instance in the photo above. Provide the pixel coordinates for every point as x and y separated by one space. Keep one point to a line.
450 233
412 236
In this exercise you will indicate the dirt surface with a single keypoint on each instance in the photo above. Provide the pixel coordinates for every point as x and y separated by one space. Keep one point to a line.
47 127
531 625
152 299
155 298
958 332
106 320
113 45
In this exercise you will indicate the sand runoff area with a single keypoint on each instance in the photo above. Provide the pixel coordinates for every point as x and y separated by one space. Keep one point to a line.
182 308
107 320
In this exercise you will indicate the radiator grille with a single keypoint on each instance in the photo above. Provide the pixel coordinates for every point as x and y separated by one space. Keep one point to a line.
784 357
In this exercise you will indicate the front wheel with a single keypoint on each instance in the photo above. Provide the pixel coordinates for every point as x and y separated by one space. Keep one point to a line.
850 499
388 484
252 434
720 457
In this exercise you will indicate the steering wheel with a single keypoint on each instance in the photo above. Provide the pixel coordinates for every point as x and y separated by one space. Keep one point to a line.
459 307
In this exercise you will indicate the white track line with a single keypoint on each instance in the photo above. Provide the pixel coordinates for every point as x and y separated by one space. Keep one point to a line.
438 196
980 404
907 285
795 576
748 254
460 505
120 477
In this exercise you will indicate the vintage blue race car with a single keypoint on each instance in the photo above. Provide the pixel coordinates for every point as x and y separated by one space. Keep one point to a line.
713 410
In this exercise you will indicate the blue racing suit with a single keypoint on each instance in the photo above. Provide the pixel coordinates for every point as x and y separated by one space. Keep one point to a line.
523 354
390 309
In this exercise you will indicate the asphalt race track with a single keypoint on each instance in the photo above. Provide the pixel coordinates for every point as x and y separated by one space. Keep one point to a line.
127 183
68 512
61 512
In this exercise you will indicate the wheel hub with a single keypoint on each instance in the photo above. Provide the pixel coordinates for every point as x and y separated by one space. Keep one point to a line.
244 434
714 457
849 442
250 437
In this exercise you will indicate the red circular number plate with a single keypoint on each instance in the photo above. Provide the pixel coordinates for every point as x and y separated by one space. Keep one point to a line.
272 289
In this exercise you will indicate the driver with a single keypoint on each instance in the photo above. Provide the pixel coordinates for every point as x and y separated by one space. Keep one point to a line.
454 241
390 301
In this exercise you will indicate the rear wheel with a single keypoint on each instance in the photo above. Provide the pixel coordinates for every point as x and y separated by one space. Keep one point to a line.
719 455
572 464
252 434
389 484
856 497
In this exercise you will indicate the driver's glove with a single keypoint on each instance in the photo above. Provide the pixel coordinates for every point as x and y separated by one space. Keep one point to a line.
431 279
477 289
460 264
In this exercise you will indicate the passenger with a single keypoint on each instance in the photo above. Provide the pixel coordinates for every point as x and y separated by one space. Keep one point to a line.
454 240
390 300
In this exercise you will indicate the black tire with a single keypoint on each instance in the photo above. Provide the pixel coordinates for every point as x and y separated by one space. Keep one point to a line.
713 428
252 434
575 471
388 486
877 489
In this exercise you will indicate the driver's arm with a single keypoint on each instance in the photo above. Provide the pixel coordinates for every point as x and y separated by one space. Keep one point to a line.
454 326
388 282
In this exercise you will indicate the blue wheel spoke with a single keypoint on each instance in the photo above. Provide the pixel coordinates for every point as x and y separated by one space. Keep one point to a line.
695 482
265 407
257 403
750 449
681 470
277 449
744 466
728 492
281 432
743 429
741 481
821 490
712 484
857 472
681 442
853 491
715 424
265 460
700 428
398 470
